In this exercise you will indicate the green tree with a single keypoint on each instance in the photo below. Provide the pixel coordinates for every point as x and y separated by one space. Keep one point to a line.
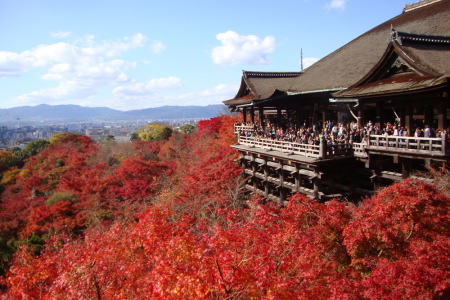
63 137
155 132
34 148
7 160
187 128
134 136
15 157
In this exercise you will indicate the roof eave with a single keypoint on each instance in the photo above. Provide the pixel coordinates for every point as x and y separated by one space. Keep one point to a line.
347 94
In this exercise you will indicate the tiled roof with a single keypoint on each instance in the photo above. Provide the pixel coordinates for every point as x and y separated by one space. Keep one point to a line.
253 74
260 85
418 4
411 62
405 37
423 30
391 86
348 64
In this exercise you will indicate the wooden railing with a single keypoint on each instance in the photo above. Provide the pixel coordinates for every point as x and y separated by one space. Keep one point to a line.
337 150
359 149
433 146
282 146
391 143
317 151
243 128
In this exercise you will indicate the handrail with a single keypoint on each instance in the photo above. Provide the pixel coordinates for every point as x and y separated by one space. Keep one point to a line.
282 146
408 144
359 149
309 150
243 128
335 150
391 143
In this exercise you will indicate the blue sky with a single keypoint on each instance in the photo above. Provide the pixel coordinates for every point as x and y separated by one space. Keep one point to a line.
138 54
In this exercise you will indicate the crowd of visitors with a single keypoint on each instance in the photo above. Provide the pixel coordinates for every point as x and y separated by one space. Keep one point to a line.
332 132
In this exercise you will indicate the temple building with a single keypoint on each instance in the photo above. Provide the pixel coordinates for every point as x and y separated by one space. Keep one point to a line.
373 112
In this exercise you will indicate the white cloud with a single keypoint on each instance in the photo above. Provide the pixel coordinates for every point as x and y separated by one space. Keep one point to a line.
63 93
60 34
79 71
214 95
149 88
75 82
86 70
338 5
158 47
137 96
242 49
308 61
13 64
115 48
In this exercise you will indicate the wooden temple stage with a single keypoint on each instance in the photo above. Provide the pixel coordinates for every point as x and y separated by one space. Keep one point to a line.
278 169
397 73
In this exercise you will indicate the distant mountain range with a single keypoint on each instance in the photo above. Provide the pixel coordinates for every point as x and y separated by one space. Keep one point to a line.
46 112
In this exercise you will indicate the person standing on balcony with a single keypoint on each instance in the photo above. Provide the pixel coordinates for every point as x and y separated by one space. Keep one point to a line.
429 132
418 133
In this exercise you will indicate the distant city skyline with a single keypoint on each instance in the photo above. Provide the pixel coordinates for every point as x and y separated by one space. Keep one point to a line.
143 54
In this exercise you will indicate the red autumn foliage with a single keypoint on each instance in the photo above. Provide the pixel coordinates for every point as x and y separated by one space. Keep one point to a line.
398 237
173 232
267 252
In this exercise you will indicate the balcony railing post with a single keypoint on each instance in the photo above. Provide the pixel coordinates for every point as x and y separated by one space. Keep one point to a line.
444 143
323 147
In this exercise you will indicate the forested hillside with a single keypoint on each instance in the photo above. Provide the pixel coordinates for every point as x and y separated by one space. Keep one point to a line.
169 220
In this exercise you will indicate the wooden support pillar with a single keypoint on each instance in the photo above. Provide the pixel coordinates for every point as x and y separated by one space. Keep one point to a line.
279 116
243 162
261 117
442 114
429 115
361 120
282 197
444 143
252 115
244 114
298 180
324 120
299 119
317 184
408 119
323 148
332 181
379 114
406 168
402 116
253 162
376 176
266 178
243 165
310 115
353 183
282 189
302 117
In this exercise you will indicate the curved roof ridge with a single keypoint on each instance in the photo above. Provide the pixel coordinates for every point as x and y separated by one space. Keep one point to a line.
418 4
258 74
402 37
